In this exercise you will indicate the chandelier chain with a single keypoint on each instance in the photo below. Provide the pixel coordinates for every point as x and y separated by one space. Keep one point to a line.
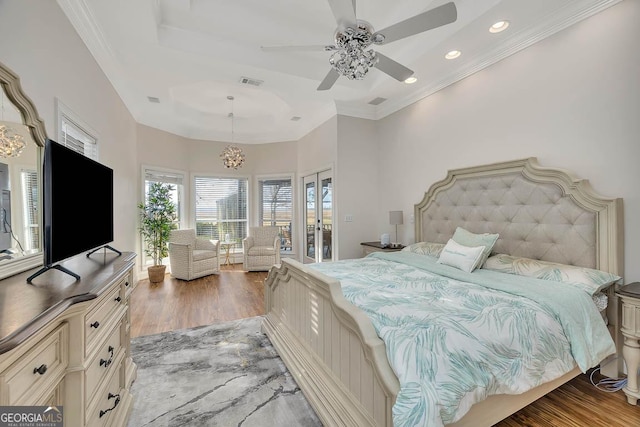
232 156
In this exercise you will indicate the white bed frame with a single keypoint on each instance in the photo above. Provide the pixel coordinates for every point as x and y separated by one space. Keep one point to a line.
332 349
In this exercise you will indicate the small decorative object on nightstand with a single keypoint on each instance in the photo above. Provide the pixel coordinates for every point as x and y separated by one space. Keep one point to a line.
369 247
630 296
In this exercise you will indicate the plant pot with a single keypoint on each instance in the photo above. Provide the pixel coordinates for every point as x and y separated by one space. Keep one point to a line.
156 273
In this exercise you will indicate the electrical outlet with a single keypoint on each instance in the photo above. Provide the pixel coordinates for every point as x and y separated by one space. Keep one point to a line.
348 218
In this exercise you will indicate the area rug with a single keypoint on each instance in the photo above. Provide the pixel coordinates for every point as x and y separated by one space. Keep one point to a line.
226 374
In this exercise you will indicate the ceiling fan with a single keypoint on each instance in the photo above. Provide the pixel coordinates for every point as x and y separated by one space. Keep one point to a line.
351 57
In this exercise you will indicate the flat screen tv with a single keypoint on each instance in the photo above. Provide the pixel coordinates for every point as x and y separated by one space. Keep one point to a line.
77 205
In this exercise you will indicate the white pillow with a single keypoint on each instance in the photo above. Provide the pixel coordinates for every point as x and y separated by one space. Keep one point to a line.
465 258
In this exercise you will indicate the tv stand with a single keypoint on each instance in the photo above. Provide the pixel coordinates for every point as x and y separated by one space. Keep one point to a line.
47 268
104 247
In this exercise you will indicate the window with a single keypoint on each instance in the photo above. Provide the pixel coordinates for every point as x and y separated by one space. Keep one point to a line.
31 215
276 208
75 134
175 179
221 208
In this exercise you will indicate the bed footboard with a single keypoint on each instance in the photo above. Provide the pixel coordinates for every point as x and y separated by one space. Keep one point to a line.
329 346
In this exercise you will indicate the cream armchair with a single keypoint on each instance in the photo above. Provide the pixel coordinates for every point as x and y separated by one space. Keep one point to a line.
191 257
261 248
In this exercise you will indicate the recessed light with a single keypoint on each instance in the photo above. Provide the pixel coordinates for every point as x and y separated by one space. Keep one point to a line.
499 26
411 80
453 54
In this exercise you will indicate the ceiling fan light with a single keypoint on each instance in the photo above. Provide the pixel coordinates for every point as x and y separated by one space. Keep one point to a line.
499 26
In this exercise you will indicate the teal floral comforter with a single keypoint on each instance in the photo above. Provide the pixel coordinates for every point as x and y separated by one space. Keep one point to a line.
455 338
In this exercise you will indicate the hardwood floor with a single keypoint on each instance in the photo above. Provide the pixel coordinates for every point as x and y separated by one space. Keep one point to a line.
178 304
235 294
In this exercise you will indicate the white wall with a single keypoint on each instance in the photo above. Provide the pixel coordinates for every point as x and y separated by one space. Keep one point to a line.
572 101
40 45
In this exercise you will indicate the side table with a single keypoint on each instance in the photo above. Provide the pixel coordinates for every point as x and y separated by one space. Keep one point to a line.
630 328
227 246
369 247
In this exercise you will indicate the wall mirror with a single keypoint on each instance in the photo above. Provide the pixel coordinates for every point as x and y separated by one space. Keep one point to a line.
22 136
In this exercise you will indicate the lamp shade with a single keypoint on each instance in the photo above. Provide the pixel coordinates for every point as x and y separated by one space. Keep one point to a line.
395 217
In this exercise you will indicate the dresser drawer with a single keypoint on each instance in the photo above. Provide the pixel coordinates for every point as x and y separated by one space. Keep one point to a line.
103 362
106 402
39 370
99 318
128 284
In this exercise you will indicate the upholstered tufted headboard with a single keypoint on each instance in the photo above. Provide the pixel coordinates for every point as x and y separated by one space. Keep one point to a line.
540 213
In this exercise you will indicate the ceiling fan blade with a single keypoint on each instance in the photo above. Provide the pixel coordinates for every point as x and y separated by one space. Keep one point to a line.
329 80
344 11
434 18
392 68
317 48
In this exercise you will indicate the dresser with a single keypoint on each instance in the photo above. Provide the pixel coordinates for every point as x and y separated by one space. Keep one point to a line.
67 343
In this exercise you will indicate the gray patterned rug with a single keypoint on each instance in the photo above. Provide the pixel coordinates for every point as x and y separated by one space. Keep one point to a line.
226 374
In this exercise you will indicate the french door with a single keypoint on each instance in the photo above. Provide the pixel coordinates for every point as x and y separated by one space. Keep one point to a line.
318 217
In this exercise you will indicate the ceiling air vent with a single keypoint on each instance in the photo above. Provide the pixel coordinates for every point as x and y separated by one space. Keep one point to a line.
295 118
250 81
377 101
153 99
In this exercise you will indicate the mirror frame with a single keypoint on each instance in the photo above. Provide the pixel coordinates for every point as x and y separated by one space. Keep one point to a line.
10 83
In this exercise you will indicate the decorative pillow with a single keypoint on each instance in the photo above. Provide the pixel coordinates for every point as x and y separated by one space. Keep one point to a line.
588 279
464 258
468 238
425 248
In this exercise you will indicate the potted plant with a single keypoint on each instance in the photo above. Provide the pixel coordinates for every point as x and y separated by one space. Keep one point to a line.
157 218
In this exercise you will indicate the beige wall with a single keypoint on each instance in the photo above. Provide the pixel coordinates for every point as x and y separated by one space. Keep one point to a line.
357 186
572 101
39 44
318 149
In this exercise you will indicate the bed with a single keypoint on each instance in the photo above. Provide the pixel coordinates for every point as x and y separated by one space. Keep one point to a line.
332 347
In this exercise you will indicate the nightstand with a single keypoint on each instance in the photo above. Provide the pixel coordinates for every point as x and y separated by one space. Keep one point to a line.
369 247
630 297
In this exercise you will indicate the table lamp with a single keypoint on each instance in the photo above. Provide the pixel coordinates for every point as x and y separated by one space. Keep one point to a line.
395 218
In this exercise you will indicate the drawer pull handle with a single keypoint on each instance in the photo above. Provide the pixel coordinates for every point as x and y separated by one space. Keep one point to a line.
110 396
40 369
126 283
106 363
118 299
95 324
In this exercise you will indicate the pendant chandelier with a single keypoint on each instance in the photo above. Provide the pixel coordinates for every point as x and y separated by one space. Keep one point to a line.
232 156
11 142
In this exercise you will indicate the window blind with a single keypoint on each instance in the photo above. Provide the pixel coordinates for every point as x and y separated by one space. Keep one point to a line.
163 176
31 214
221 208
76 138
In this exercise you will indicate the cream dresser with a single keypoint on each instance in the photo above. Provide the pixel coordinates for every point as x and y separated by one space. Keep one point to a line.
66 342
